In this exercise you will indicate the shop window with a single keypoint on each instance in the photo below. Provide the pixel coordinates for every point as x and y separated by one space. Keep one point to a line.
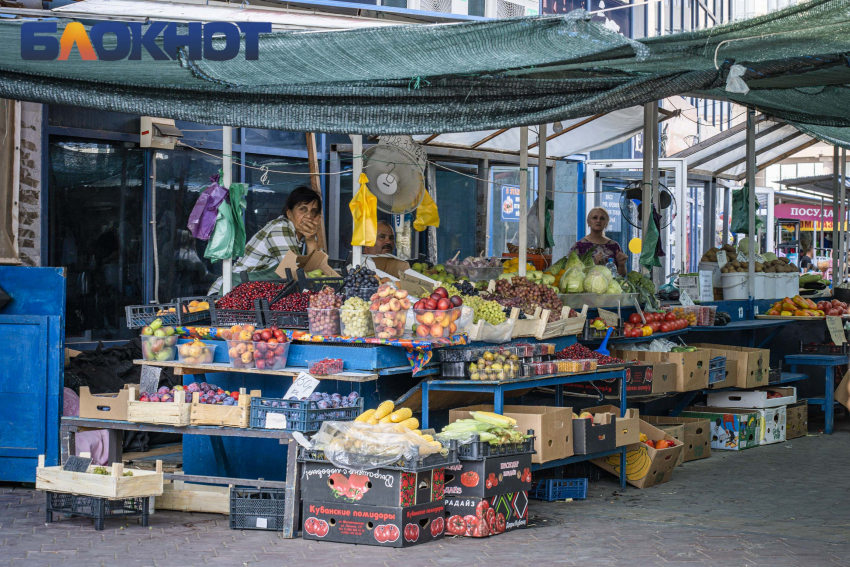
95 231
266 197
279 139
504 217
456 200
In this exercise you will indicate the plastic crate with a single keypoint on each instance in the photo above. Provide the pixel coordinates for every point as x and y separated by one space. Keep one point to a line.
415 465
231 317
560 489
183 314
480 450
284 319
257 508
717 369
99 509
303 415
842 349
139 316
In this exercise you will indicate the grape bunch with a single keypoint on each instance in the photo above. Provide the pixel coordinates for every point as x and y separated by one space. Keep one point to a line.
490 311
361 283
467 288
527 295
325 299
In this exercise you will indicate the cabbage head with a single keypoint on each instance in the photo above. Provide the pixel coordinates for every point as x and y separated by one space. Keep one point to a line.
602 271
572 281
595 282
614 288
573 261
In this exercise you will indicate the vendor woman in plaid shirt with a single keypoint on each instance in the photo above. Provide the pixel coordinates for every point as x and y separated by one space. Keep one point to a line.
296 229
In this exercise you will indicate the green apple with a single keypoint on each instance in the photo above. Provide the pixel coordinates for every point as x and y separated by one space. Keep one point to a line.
147 331
156 323
168 331
159 333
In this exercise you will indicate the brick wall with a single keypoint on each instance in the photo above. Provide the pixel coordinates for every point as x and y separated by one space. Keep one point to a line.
29 211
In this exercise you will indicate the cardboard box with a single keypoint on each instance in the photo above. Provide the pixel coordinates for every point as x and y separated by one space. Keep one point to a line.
502 513
645 466
697 441
677 431
628 428
691 367
552 427
378 487
316 260
730 379
842 392
641 380
390 265
104 406
797 420
752 364
732 429
69 354
772 425
373 525
593 436
753 398
489 477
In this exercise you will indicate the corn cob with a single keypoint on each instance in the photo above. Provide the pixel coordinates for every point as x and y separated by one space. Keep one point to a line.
372 420
364 417
400 415
385 409
427 438
385 420
410 423
493 418
416 431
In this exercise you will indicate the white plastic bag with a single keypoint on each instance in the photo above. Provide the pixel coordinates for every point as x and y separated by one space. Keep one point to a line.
488 333
360 446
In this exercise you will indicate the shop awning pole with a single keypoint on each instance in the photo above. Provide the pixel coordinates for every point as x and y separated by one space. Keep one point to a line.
842 229
822 223
646 189
541 184
226 180
727 207
356 170
751 183
835 217
523 199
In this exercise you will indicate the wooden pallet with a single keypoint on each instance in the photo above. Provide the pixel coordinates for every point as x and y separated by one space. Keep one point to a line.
223 416
169 413
114 486
188 497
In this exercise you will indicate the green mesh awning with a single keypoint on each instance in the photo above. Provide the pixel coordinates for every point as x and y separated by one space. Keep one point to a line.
466 77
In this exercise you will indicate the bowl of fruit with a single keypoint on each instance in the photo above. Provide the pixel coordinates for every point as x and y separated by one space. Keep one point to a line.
356 319
435 317
263 349
196 352
389 311
158 342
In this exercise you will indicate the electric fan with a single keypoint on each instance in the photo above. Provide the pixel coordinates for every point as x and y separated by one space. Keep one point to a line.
395 178
632 208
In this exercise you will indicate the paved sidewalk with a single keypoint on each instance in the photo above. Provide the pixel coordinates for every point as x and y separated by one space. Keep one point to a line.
785 504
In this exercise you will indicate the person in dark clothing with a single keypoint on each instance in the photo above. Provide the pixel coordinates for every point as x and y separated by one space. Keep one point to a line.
806 262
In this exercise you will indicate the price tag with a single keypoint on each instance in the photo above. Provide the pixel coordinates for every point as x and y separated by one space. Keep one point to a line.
302 387
77 464
611 319
275 421
685 299
149 383
262 523
836 329
722 260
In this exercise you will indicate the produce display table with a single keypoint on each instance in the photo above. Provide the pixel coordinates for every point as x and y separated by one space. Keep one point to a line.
69 426
750 327
829 362
183 369
498 390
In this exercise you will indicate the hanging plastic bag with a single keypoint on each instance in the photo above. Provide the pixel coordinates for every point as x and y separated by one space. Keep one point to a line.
204 214
226 235
741 212
364 210
426 214
651 251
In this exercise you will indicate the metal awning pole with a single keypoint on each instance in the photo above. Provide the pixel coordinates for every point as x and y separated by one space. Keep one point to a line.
842 229
541 184
751 184
727 207
226 180
835 217
646 192
822 223
523 199
356 170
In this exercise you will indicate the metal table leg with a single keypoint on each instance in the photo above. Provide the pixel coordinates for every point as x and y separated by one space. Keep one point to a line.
829 399
425 405
292 507
498 400
623 401
623 468
559 396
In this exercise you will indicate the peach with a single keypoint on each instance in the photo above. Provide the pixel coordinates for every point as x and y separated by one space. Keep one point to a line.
446 321
250 328
423 330
395 305
232 353
400 293
247 357
385 290
375 305
427 317
241 348
374 297
437 331
455 314
405 303
452 329
236 329
245 335
384 307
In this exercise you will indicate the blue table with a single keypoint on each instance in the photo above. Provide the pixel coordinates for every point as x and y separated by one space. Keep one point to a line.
829 362
750 327
498 390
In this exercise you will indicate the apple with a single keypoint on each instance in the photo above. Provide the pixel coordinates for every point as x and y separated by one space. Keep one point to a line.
266 335
444 304
431 304
147 331
156 324
256 337
442 292
159 333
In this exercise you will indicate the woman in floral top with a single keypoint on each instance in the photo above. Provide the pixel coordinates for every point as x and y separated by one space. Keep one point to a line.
603 247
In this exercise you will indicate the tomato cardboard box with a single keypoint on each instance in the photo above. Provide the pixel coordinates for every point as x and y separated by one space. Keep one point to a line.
483 517
641 379
489 477
697 439
628 428
593 436
732 429
752 364
553 429
645 465
324 482
754 398
387 526
691 367
797 420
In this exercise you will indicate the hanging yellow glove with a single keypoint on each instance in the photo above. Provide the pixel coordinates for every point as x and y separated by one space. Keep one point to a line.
427 214
364 209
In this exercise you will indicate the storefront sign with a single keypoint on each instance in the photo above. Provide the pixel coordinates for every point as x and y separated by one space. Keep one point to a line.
809 215
510 203
611 203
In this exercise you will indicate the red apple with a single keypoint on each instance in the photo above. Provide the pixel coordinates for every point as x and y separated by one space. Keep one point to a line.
442 292
444 304
431 304
436 296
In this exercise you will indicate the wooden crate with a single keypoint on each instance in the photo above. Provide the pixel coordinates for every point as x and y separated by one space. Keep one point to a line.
223 416
187 497
113 487
169 413
539 327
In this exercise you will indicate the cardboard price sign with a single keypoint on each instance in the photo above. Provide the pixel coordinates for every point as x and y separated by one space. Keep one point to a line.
721 258
149 382
685 299
836 329
77 464
302 387
611 319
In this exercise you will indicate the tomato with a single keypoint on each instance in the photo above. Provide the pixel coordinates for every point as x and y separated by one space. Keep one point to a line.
665 327
411 532
500 523
469 479
310 525
436 527
321 528
634 319
656 326
647 330
456 525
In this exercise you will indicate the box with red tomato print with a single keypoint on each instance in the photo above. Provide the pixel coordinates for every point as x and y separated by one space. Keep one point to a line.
388 526
483 517
489 477
324 482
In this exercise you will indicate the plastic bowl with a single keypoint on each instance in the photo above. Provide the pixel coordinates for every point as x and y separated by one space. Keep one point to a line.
196 353
435 324
325 366
474 274
160 349
356 323
323 321
389 324
270 356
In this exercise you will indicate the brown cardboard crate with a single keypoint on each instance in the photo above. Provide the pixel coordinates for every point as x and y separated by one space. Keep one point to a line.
697 439
797 420
751 364
645 466
628 427
691 367
104 406
677 430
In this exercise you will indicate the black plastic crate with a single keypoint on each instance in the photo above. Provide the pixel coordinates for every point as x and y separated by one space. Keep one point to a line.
842 349
99 509
284 319
408 465
183 314
257 508
480 450
316 284
559 489
231 317
458 354
302 415
717 369
139 316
